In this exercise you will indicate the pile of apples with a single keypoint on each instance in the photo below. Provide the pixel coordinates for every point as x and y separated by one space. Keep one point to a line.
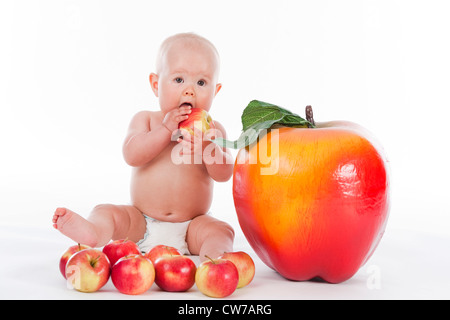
87 269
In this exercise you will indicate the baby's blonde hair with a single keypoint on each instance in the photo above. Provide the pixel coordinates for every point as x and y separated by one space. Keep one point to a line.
193 38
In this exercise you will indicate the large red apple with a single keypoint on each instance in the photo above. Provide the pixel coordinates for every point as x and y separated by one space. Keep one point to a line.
199 119
175 273
120 248
88 270
67 254
244 264
217 278
133 274
316 203
160 251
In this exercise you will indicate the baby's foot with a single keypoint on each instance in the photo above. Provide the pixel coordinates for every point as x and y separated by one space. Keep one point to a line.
74 226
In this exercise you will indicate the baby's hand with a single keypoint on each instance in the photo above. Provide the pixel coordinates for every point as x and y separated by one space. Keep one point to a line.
175 116
192 144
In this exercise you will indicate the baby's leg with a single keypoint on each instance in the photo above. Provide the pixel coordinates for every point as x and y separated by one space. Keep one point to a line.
105 222
209 236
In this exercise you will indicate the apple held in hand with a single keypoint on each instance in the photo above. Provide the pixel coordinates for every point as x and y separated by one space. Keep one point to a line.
244 264
133 274
160 251
66 256
120 248
217 278
199 119
88 270
175 273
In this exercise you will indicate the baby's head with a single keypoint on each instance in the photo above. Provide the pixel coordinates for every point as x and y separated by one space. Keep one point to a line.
187 71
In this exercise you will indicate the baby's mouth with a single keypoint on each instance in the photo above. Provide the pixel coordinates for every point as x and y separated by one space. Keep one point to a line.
186 104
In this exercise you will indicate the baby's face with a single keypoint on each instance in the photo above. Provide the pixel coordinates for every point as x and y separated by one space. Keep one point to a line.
188 75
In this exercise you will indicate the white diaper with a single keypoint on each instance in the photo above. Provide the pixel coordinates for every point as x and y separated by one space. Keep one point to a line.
172 234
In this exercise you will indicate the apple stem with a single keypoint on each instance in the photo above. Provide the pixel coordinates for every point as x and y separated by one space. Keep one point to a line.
310 115
212 260
168 250
94 261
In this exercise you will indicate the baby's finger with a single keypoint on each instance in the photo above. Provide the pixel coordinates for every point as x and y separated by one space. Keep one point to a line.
181 118
183 143
186 147
212 134
184 110
186 135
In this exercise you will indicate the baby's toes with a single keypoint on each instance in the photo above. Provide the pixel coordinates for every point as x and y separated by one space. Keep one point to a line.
59 212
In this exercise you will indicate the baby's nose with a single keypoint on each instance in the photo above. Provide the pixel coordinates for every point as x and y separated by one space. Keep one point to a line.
189 92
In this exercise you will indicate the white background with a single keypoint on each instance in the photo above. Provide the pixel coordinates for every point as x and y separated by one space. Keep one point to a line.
73 73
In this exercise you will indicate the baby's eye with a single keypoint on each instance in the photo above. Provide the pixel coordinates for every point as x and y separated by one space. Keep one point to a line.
179 80
201 83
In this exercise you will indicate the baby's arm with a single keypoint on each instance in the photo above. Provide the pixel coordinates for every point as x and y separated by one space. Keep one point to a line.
143 143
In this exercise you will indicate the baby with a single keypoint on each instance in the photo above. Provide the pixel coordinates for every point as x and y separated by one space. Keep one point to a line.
170 201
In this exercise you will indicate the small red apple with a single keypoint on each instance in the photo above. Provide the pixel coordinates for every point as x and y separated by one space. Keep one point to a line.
199 119
244 264
217 278
120 248
133 274
161 250
175 273
66 256
88 270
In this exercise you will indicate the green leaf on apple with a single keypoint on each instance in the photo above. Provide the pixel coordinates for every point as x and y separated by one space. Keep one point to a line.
258 116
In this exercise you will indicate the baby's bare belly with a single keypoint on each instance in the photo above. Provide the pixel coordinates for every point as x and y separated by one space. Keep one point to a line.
169 192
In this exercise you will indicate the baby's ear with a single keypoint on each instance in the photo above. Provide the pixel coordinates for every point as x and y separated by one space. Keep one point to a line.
218 87
154 83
